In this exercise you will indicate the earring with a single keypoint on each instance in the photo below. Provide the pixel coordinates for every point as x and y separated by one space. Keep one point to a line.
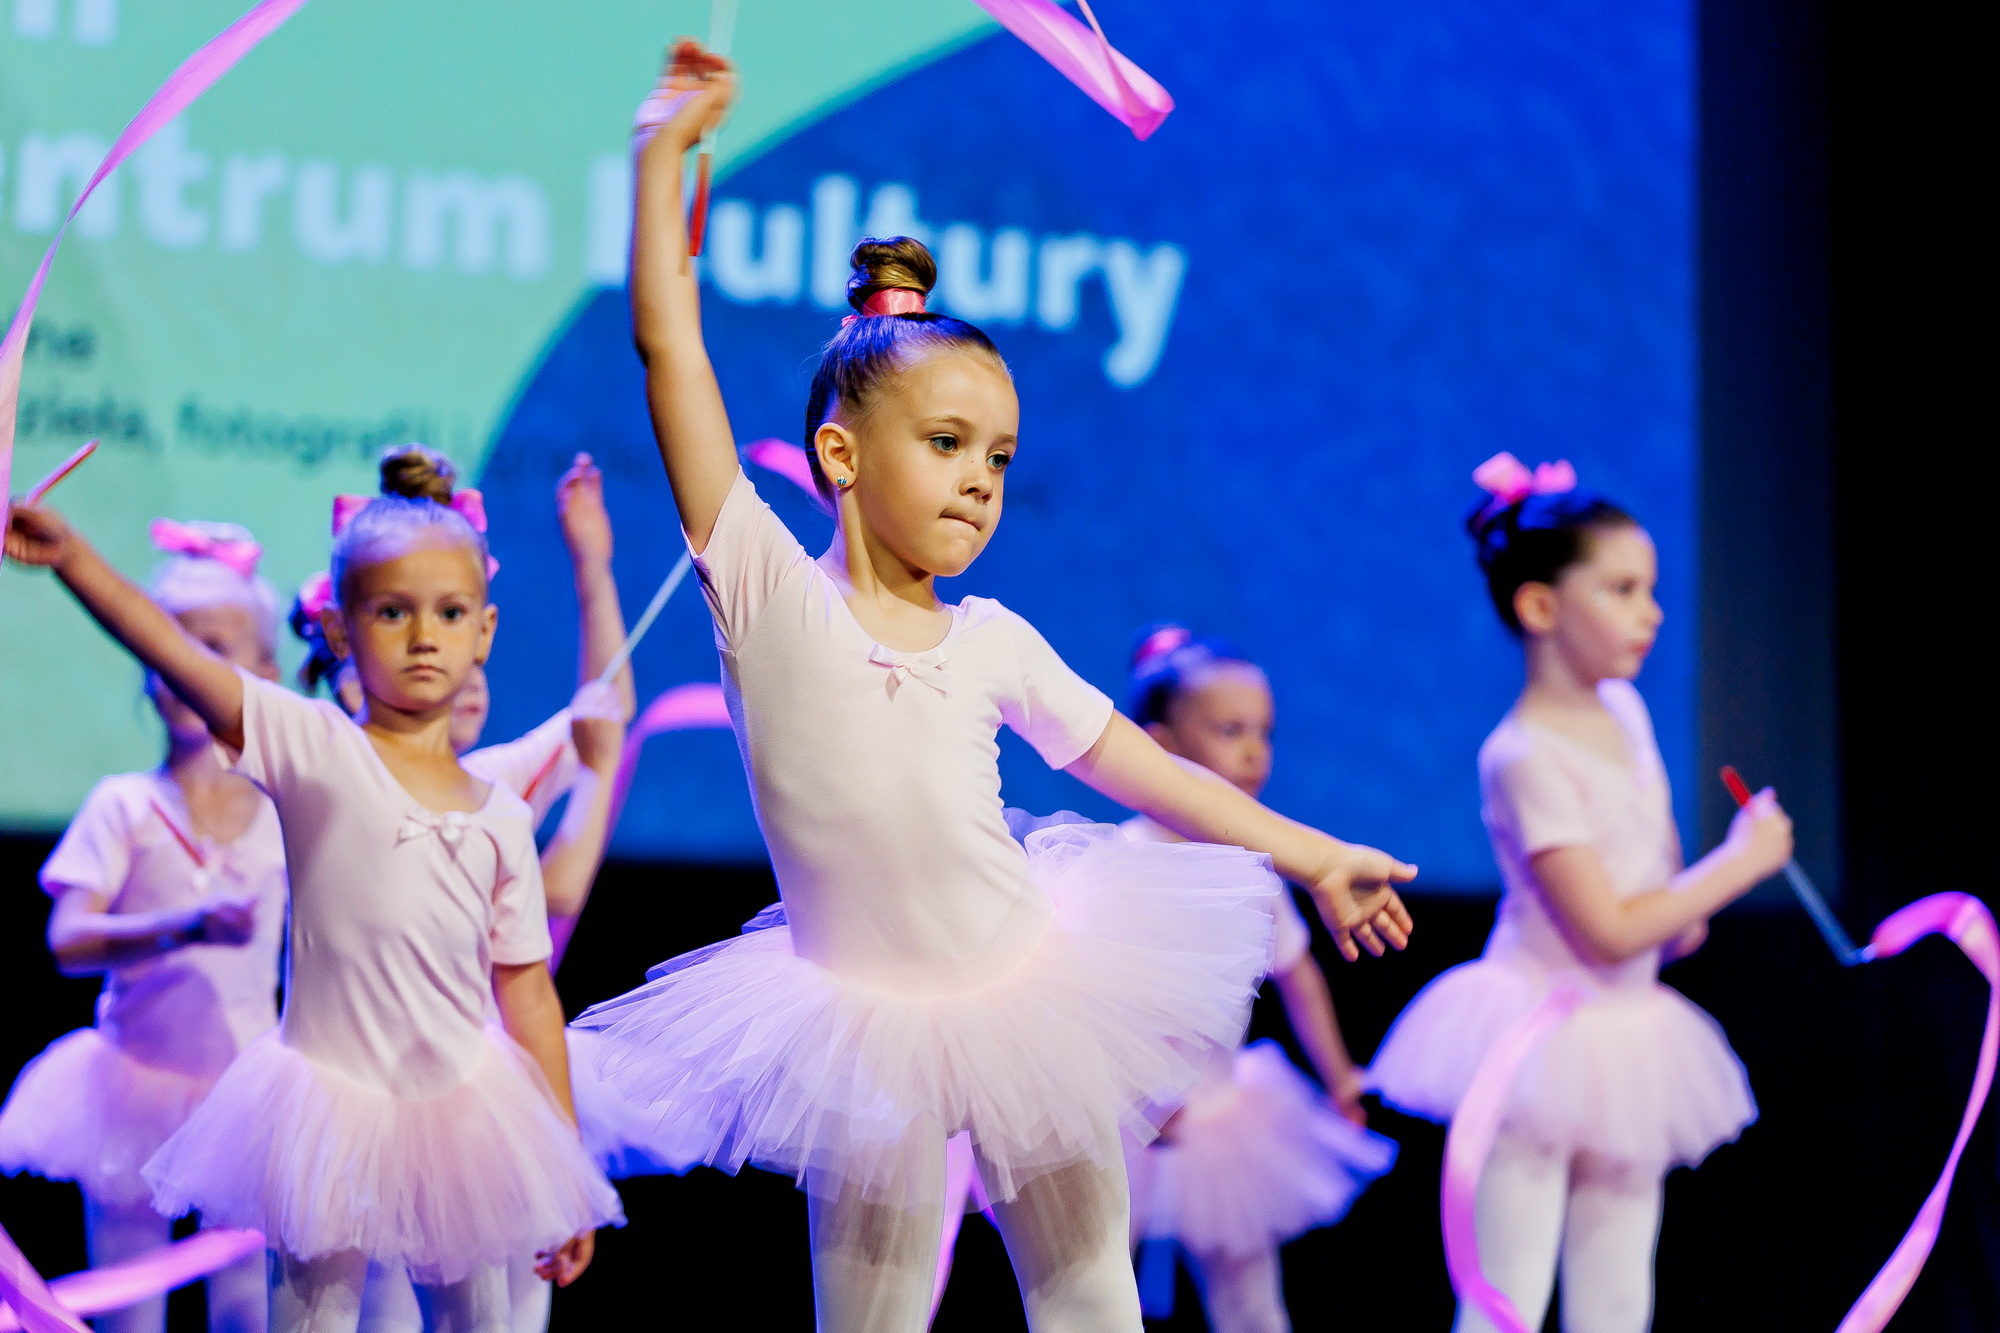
840 482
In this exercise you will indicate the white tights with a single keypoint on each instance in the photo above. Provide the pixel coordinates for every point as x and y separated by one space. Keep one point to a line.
1600 1223
115 1232
1241 1293
389 1301
874 1267
324 1296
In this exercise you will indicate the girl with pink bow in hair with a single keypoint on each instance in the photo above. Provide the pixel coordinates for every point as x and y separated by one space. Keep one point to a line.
1575 800
386 1120
927 974
171 884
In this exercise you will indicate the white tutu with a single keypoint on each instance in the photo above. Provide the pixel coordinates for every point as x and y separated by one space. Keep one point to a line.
83 1110
622 1138
1637 1075
1262 1161
319 1162
745 1052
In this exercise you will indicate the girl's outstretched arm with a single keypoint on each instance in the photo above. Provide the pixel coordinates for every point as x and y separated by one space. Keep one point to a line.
87 939
1352 885
688 416
1309 1009
1610 929
207 684
533 1017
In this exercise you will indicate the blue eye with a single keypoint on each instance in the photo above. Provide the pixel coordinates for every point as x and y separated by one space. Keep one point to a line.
390 613
945 444
452 614
999 461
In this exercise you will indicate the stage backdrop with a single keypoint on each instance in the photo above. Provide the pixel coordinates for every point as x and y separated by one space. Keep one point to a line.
1258 355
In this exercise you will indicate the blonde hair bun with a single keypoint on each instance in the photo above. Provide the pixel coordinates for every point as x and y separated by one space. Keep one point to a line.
879 266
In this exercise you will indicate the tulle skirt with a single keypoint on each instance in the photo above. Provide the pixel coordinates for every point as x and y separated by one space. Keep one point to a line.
623 1139
83 1110
1249 1168
1638 1076
746 1052
320 1163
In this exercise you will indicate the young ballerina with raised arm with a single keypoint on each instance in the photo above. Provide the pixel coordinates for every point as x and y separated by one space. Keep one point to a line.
384 1120
1575 799
171 883
932 975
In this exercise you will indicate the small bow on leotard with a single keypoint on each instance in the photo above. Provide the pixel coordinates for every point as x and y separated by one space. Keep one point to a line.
449 825
901 669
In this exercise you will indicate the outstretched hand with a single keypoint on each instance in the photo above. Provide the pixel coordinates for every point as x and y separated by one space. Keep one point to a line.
693 96
586 526
566 1262
1358 901
37 536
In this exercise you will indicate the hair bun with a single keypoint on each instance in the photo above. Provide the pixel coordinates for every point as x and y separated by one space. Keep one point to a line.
900 261
417 473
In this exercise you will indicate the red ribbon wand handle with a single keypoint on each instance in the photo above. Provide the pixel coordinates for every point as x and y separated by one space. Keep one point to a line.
1830 929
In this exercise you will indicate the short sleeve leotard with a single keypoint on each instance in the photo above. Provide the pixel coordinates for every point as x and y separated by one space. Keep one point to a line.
387 1113
101 1100
1638 1075
928 967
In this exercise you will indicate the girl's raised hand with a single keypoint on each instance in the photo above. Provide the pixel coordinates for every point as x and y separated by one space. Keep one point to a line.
668 122
586 527
37 536
1359 904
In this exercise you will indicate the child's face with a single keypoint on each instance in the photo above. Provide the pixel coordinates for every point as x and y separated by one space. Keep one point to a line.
1224 724
469 711
929 458
232 633
417 625
1601 611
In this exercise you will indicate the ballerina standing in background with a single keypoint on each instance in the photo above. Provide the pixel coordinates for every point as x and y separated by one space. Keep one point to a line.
385 1120
171 883
929 975
1575 799
1256 1156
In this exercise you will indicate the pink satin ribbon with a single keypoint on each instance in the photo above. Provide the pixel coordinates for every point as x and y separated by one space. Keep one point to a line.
888 301
53 1307
466 502
1087 59
1959 917
695 706
194 77
788 461
1507 479
174 538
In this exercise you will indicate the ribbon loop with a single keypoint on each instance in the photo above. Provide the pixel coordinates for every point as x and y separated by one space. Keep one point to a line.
449 825
902 668
238 553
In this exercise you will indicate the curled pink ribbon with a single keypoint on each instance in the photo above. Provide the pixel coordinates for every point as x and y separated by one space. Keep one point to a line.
1959 917
48 1307
1087 59
1508 480
694 706
1160 642
239 553
790 462
888 301
467 503
194 77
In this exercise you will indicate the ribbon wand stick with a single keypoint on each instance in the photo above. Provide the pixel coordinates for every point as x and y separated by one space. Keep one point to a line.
721 32
1809 897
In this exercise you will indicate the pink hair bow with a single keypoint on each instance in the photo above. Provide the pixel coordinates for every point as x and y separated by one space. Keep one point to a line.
1161 642
468 504
240 554
316 594
1508 480
889 301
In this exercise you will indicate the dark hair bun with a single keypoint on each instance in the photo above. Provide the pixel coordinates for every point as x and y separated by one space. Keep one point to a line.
417 473
1166 658
1534 539
900 261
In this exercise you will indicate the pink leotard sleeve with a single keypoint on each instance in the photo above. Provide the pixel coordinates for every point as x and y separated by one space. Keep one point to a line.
749 553
1055 710
96 849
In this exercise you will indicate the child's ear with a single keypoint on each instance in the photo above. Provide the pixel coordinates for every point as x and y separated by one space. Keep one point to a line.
489 622
835 446
1535 607
334 625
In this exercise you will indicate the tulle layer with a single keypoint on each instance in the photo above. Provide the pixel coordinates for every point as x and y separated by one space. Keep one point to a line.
622 1138
83 1110
745 1052
319 1162
1264 1161
1638 1076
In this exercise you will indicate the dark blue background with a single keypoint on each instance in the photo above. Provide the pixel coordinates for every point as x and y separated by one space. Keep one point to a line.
1416 234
